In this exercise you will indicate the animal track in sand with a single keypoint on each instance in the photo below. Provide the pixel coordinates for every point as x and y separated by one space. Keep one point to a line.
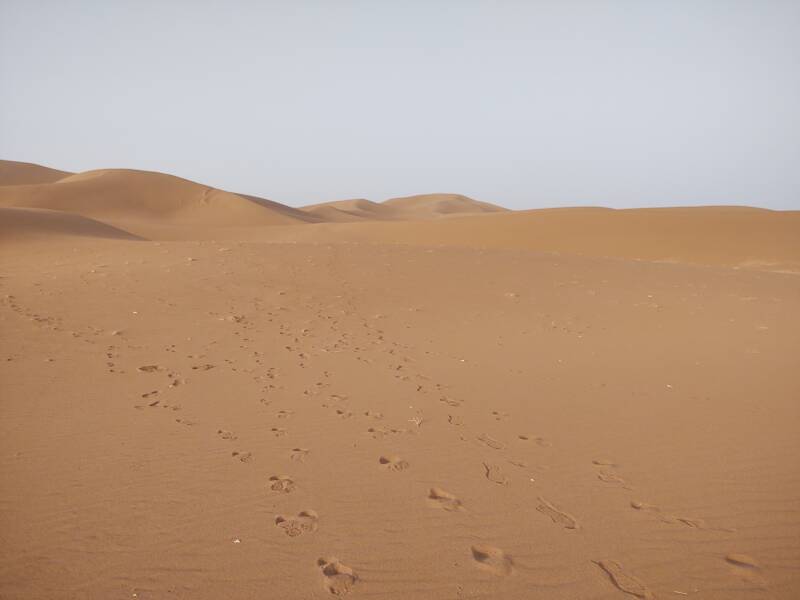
304 522
604 462
226 435
491 442
394 463
245 457
149 394
445 500
492 559
538 440
299 454
278 431
623 581
498 415
282 483
284 414
338 578
149 368
566 520
495 474
455 420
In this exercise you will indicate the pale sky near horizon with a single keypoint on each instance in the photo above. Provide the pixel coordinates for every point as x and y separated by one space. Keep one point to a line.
525 104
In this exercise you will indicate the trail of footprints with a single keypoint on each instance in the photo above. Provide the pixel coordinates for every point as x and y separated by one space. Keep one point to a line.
340 579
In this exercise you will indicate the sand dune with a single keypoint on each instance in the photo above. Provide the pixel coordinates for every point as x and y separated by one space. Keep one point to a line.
22 173
435 205
119 196
409 208
344 211
38 223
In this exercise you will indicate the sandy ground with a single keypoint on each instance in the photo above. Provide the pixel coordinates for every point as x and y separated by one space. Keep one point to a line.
284 416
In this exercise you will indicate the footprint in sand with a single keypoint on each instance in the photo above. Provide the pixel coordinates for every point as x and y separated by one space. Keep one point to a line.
245 457
746 568
299 454
439 498
278 431
538 440
492 559
604 462
743 560
284 414
450 401
338 578
675 520
624 582
226 435
394 463
202 367
611 478
380 432
498 415
491 442
304 522
282 483
495 474
455 420
566 520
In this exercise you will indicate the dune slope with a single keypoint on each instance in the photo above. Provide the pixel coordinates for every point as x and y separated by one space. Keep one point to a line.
120 195
18 224
21 173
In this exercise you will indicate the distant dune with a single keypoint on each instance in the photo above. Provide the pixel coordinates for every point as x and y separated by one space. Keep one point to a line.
121 195
435 205
343 211
26 223
160 206
22 173
408 208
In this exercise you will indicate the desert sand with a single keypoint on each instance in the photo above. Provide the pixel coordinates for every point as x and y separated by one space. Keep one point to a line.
210 395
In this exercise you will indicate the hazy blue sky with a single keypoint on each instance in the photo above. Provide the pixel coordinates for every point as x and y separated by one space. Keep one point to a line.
527 104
